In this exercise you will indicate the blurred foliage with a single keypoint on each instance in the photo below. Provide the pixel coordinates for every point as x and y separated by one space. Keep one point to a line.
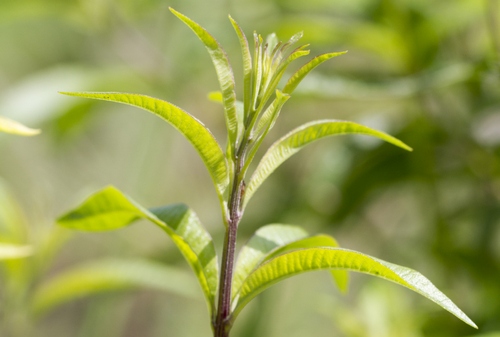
425 71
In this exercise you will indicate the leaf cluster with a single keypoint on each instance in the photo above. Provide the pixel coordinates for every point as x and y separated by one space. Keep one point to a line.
276 251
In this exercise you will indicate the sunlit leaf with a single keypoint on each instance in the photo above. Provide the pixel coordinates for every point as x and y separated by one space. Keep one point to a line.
247 65
296 78
12 251
224 73
341 277
265 240
110 209
271 114
325 258
111 275
16 128
195 132
295 140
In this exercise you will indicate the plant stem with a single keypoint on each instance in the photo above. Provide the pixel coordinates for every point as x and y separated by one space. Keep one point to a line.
222 322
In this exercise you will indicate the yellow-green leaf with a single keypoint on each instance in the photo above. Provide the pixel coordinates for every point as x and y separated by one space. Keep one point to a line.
111 275
223 70
341 277
265 240
247 66
295 140
194 131
9 126
10 251
326 258
110 209
299 75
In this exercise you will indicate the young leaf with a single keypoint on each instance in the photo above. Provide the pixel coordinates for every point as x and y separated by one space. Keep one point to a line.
10 251
247 66
296 78
111 275
194 131
341 277
224 74
265 240
110 209
276 239
266 122
295 140
16 128
321 258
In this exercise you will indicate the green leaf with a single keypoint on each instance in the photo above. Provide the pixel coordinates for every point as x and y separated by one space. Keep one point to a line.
110 209
265 240
275 239
216 96
321 258
266 122
247 66
194 131
295 140
224 74
341 277
111 275
16 128
296 78
10 251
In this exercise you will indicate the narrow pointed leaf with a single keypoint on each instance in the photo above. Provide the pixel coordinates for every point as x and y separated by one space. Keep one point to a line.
10 251
223 70
265 240
111 275
325 258
296 78
110 209
257 70
194 131
270 115
9 126
247 65
295 140
341 277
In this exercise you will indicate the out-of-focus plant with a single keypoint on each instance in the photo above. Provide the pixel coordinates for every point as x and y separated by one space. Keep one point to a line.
24 292
28 293
9 126
276 251
10 250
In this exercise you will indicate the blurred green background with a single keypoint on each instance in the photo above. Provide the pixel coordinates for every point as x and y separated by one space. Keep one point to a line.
425 71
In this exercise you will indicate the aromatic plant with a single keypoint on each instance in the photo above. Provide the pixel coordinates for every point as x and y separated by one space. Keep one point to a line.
276 251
